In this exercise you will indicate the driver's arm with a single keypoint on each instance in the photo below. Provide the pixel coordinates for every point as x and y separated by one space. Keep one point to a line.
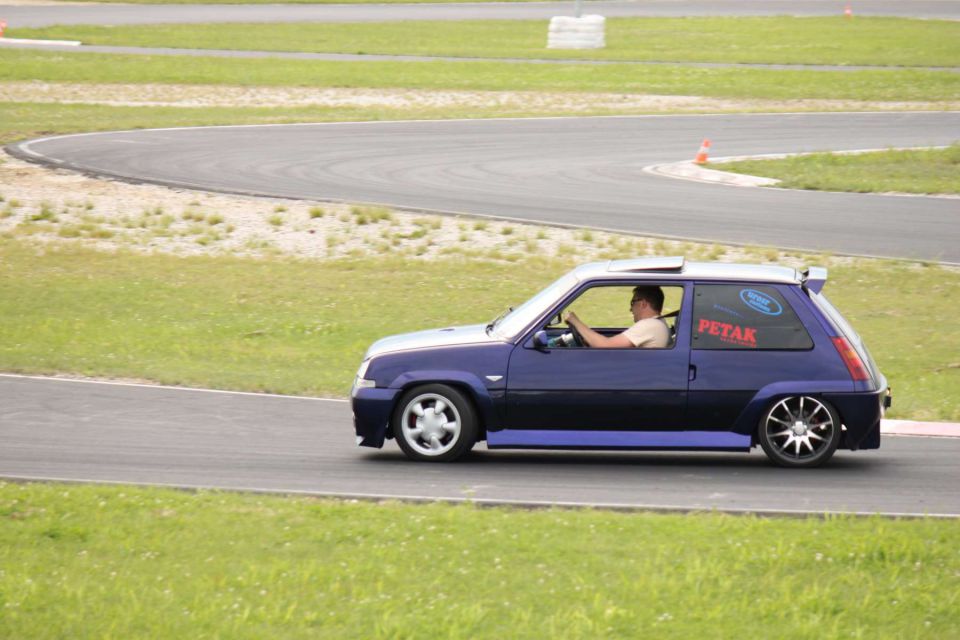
597 340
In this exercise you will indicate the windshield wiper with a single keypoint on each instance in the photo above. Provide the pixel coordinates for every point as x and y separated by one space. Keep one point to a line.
493 323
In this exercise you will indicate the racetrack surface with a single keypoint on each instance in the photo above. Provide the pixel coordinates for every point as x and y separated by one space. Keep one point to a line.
113 14
568 171
73 430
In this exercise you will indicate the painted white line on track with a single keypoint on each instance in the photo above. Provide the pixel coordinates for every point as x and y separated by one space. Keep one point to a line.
489 502
146 385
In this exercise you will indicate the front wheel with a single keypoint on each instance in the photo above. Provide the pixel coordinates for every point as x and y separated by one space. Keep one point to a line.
800 431
435 423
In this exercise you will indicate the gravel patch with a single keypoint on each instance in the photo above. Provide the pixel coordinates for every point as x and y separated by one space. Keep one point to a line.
166 95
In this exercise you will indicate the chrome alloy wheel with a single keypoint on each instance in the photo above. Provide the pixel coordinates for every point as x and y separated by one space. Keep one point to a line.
431 424
801 428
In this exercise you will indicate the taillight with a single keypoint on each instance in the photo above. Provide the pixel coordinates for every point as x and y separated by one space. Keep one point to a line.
851 359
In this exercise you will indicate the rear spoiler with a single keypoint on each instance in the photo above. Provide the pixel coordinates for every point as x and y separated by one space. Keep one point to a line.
813 279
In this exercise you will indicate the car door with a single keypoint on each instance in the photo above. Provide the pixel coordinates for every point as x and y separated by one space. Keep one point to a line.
629 389
743 337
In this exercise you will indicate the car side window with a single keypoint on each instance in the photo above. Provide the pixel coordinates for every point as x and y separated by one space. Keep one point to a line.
727 316
607 308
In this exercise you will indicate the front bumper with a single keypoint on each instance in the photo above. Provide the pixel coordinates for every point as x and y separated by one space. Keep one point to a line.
371 415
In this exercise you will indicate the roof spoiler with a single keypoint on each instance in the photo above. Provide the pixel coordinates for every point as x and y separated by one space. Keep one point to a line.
813 278
673 263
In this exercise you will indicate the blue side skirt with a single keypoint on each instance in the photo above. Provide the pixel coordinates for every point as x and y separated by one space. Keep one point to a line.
544 438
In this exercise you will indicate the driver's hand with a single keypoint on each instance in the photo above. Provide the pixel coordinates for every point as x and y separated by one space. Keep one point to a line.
572 318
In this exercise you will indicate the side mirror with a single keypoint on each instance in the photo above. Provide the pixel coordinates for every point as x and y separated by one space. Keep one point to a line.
540 340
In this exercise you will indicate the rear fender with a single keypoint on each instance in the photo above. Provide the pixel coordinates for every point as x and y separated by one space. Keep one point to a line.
750 417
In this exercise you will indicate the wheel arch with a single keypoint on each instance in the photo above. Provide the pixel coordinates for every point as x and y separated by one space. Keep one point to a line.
749 419
472 387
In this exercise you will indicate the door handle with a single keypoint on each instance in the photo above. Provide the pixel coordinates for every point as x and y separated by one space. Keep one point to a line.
692 375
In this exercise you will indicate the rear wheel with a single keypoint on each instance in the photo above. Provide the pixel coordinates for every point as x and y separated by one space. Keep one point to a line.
800 431
435 423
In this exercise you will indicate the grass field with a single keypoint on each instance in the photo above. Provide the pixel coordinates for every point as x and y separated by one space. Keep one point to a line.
124 562
904 171
882 85
296 327
785 40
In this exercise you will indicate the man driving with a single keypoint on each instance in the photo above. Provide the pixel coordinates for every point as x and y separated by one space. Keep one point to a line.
648 331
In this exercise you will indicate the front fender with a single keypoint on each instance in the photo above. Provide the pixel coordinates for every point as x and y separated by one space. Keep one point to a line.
749 418
481 394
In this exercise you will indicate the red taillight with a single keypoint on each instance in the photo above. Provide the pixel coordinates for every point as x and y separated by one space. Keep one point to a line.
851 359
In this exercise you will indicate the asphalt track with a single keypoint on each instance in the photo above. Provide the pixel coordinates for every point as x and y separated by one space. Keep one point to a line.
112 14
82 431
566 171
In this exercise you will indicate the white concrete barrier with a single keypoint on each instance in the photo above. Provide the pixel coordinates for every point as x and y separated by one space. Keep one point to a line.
585 32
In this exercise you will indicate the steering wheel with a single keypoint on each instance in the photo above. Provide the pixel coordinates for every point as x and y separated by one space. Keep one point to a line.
577 338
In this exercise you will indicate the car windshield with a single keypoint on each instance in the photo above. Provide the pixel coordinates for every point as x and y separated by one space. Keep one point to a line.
513 321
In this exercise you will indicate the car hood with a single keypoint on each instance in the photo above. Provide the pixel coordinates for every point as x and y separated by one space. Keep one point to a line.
447 337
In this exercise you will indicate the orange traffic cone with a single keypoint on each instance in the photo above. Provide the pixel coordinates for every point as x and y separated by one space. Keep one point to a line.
702 154
848 11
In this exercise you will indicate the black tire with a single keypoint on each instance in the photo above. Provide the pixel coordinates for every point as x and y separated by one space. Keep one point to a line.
426 436
799 431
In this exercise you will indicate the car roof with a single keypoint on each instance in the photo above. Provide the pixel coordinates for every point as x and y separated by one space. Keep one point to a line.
677 267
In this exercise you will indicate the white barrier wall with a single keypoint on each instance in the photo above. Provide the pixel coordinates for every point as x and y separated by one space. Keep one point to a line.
585 32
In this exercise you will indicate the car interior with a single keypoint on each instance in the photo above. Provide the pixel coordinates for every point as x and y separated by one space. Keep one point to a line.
606 309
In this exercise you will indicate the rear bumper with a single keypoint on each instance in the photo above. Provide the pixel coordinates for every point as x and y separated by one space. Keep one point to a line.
860 413
371 415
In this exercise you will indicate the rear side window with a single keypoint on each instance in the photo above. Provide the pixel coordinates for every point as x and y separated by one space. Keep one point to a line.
727 316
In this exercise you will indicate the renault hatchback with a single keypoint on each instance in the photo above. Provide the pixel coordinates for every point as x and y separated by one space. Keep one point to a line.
741 355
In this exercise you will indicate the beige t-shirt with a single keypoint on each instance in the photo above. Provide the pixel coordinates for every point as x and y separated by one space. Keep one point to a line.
650 333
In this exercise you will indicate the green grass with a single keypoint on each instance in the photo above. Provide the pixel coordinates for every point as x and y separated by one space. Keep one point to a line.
906 171
787 40
297 327
127 562
882 85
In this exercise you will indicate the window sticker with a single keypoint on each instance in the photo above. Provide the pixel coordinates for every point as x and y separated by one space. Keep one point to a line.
760 302
729 333
752 317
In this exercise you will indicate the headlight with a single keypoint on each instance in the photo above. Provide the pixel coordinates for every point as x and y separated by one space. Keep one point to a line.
362 371
360 382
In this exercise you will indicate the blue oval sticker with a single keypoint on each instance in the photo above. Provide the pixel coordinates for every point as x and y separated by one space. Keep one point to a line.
760 302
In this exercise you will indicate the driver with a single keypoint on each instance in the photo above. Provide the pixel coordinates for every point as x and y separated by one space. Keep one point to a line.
649 329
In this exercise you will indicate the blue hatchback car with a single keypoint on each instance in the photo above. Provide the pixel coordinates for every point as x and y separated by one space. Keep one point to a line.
735 356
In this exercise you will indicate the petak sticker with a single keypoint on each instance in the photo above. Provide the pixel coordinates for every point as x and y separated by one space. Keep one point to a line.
760 302
727 332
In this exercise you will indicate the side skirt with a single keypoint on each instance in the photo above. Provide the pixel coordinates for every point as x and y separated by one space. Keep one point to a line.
552 438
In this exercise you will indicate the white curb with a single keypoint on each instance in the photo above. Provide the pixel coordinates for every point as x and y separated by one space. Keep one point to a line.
692 171
689 170
61 43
